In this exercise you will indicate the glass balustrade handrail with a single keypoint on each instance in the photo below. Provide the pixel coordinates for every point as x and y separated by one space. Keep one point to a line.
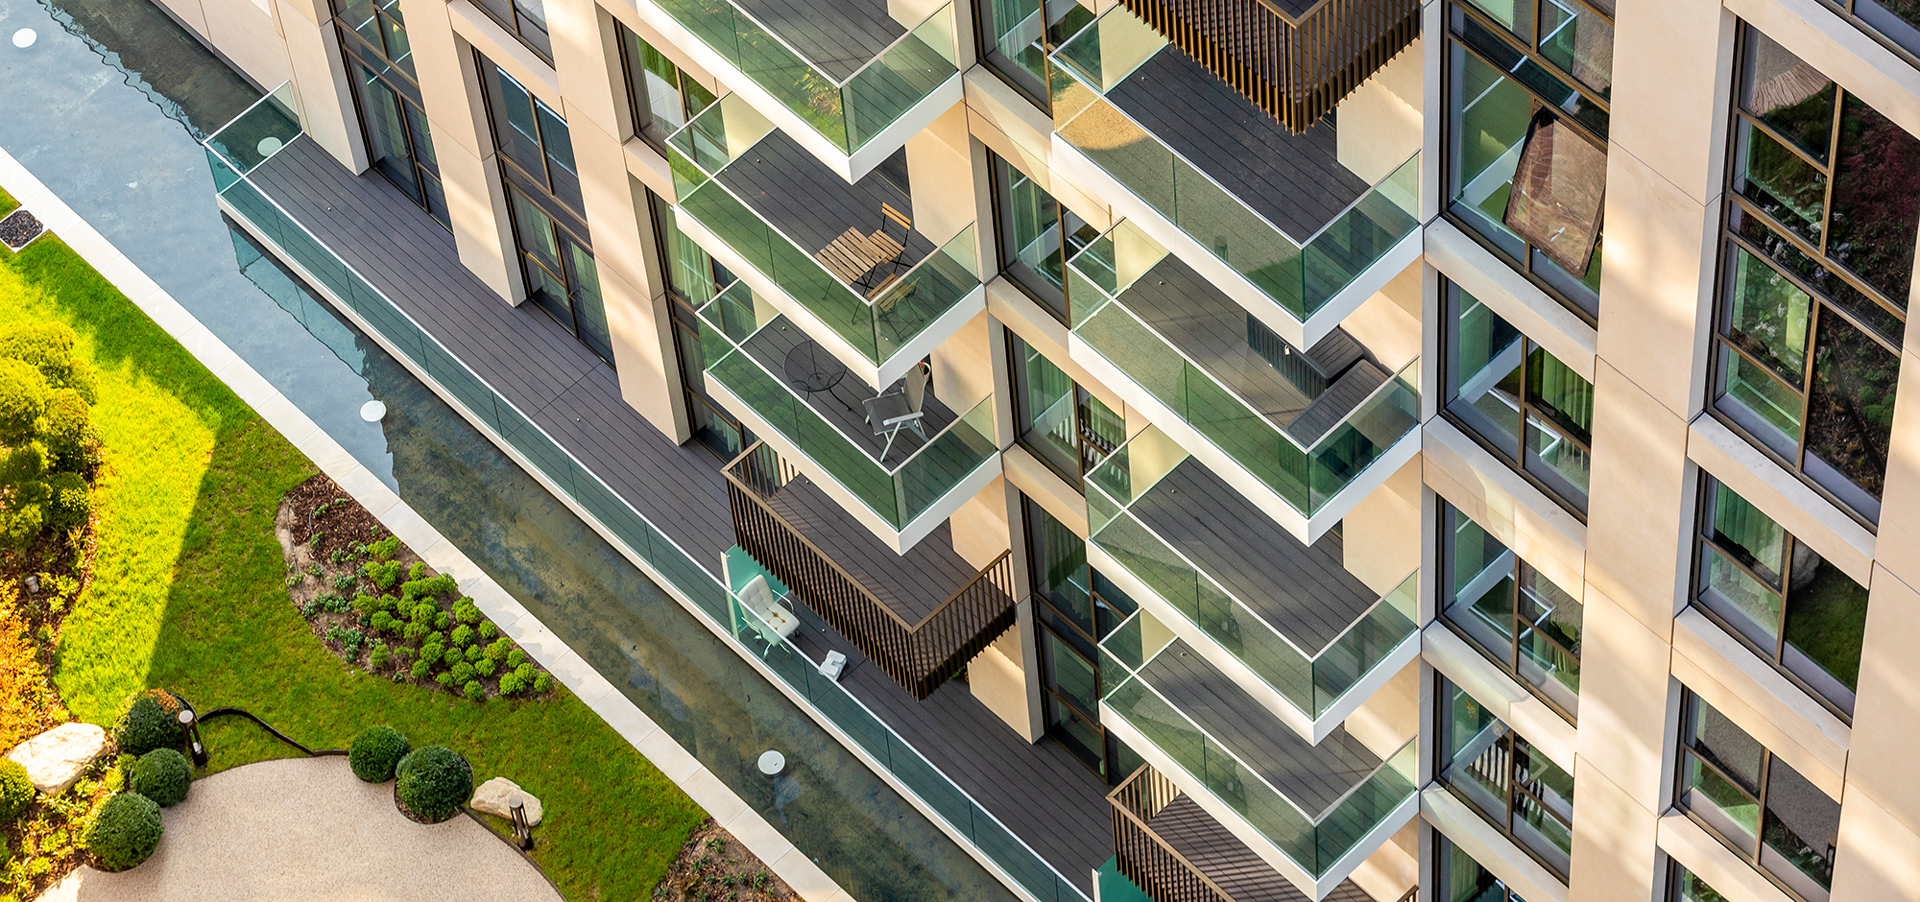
729 349
1133 676
658 552
831 106
259 132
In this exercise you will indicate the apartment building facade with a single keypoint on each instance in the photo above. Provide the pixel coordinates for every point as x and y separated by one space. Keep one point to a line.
1246 450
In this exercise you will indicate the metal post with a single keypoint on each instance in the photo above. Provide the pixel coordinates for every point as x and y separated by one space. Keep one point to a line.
191 724
522 832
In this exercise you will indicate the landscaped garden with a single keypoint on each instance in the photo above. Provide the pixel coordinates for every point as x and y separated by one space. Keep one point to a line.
211 561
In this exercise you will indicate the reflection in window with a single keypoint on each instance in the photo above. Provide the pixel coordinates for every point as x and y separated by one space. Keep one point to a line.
662 97
692 278
1506 779
527 19
1019 34
1539 85
1515 615
1819 258
1779 596
1077 607
1683 886
1462 879
1060 422
1897 22
531 137
1515 396
1755 803
561 278
379 62
1037 235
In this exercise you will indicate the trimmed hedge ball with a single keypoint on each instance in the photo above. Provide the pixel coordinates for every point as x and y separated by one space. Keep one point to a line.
163 775
375 752
16 789
431 783
151 722
126 831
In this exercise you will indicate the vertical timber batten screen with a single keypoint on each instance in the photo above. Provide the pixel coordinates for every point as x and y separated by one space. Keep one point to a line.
1295 67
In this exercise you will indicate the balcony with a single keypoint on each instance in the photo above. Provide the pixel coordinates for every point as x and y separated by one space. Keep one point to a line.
900 492
920 615
1277 219
1305 435
844 261
1312 812
1299 633
848 80
1174 851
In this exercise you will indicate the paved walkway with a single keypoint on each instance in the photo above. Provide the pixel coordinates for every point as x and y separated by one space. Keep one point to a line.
306 829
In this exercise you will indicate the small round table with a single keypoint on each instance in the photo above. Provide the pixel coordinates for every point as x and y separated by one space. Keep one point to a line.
811 369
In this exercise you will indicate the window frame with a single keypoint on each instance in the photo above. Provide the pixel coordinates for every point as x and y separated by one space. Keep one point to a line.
1442 865
1450 295
985 48
1849 10
1000 187
542 181
1513 783
1686 753
640 108
1731 243
1447 599
568 277
1085 438
687 327
1533 255
542 48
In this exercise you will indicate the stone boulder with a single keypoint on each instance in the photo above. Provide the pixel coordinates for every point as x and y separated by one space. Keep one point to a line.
55 759
491 798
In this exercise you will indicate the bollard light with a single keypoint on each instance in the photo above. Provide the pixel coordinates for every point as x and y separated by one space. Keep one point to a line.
522 831
191 725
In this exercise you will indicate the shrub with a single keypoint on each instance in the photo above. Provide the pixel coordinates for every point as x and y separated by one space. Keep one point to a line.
474 690
417 571
488 630
510 683
415 631
163 775
71 440
516 658
444 678
16 789
499 649
23 401
440 620
383 622
384 549
484 667
69 501
48 347
383 575
374 604
432 782
474 653
431 653
375 752
462 636
467 611
150 723
543 683
420 669
125 832
462 672
379 656
526 672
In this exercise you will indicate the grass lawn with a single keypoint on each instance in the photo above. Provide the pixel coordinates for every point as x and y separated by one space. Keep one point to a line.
188 594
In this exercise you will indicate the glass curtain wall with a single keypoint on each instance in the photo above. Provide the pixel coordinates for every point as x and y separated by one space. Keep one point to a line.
1497 773
1017 35
380 65
526 19
1818 256
1060 422
543 194
1755 803
1037 236
1535 412
1894 22
1512 613
692 280
1462 879
1780 597
1527 92
662 97
1077 608
1683 886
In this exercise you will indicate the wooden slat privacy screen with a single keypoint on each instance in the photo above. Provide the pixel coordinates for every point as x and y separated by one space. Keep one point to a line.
1296 67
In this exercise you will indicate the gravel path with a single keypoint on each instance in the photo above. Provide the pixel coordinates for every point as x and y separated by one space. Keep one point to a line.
306 829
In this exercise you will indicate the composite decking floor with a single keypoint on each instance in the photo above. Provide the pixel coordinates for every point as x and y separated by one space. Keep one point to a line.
1303 591
911 585
810 204
843 403
838 36
1217 853
1211 328
1044 795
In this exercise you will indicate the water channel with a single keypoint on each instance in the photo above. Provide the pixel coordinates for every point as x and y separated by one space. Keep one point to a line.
106 108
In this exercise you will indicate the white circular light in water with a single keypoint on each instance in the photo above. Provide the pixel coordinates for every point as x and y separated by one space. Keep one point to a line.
373 411
24 38
772 763
268 146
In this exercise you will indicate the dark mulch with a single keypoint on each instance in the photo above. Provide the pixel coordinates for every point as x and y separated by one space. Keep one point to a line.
19 228
328 520
713 866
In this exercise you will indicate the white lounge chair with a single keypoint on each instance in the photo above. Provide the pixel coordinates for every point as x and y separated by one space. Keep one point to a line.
776 622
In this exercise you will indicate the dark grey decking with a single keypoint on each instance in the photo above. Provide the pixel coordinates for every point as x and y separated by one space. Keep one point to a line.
842 405
1295 181
837 36
911 585
1312 777
1214 851
806 201
1038 790
1303 591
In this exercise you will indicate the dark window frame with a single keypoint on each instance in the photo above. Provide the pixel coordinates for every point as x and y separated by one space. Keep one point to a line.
399 79
638 107
1093 447
1449 292
568 277
1442 864
1849 10
997 188
1723 348
985 46
543 181
541 47
1680 787
1674 871
1514 784
727 429
1516 622
1532 256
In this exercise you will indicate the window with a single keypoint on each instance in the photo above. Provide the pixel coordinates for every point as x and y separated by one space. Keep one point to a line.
532 138
692 279
1056 419
1461 879
380 65
1077 608
558 265
662 97
1895 22
1522 401
1037 235
1527 99
1814 275
1755 803
1683 886
1497 773
1017 35
1780 597
526 19
1525 623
